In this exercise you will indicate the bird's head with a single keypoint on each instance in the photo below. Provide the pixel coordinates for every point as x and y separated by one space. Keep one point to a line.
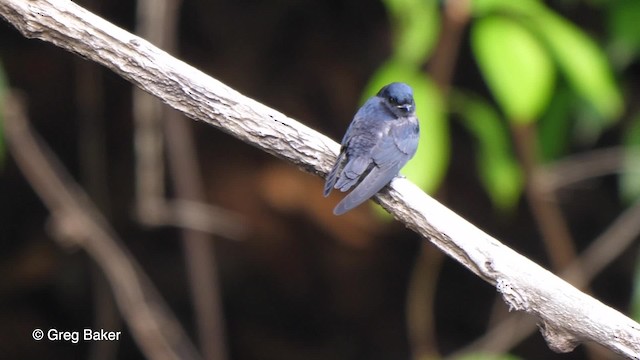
399 98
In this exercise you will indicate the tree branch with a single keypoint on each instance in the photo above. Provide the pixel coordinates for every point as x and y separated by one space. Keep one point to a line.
566 316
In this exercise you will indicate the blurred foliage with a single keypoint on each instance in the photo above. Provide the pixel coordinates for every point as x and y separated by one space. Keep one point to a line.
495 162
630 175
622 24
624 47
554 128
582 63
415 26
3 92
539 67
515 65
578 58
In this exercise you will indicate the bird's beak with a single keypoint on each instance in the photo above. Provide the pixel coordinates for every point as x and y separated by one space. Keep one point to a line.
405 107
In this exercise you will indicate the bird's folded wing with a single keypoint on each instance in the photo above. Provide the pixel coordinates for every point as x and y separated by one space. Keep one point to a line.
352 172
375 180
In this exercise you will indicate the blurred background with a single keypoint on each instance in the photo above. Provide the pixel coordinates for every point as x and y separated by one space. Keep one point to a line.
530 130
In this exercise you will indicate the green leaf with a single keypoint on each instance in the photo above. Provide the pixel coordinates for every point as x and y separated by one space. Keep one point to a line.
519 7
499 171
579 58
582 62
416 25
630 176
514 64
623 30
428 166
554 127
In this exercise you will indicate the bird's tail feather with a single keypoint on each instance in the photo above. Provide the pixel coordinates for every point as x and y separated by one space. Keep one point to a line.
370 185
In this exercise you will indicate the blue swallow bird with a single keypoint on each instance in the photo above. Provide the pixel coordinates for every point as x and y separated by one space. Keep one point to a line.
382 137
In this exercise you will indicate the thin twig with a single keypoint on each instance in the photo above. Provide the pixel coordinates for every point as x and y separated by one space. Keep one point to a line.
198 246
585 166
544 208
148 133
202 217
421 324
78 222
158 19
442 64
92 155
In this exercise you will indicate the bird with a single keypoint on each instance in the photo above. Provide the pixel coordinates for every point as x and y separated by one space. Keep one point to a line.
381 138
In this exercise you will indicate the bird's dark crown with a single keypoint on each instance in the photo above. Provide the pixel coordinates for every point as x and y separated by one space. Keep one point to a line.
399 95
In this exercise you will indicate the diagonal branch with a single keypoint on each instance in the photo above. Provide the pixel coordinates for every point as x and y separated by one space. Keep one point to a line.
565 315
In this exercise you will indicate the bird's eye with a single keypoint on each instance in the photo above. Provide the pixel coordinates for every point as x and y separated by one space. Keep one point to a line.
393 100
